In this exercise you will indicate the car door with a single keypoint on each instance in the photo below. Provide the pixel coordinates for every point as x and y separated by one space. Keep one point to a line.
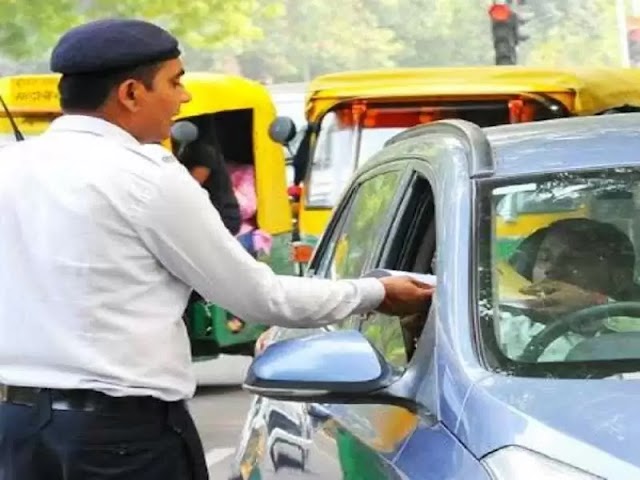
289 440
362 442
390 442
371 437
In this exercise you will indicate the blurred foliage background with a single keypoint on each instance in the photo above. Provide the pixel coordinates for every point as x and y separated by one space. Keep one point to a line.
295 40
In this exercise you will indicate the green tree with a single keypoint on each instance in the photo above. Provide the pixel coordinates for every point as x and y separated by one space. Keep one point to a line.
27 28
436 33
318 36
292 40
573 33
30 28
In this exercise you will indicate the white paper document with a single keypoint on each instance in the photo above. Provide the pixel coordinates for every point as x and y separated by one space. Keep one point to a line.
420 277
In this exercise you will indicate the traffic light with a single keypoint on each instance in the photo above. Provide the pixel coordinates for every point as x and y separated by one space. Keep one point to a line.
505 27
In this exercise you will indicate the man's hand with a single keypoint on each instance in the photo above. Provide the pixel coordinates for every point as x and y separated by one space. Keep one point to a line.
404 296
557 298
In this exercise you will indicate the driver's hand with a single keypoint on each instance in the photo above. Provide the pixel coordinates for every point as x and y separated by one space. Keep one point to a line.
557 298
404 296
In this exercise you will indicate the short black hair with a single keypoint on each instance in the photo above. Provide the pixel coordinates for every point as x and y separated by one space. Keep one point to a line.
88 92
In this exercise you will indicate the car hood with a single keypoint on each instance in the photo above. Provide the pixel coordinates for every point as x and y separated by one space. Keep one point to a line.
591 424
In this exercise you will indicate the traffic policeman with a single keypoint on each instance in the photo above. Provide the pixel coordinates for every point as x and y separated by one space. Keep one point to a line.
101 243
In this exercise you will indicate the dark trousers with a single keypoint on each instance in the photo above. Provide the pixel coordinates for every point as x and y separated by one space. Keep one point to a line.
41 443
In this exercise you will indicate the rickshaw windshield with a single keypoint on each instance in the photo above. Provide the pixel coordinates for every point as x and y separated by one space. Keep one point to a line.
351 134
340 149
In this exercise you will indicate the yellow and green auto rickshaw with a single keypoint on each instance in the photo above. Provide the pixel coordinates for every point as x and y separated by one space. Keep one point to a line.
351 115
243 111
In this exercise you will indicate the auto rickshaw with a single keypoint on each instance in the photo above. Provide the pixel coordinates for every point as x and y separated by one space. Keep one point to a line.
242 110
352 114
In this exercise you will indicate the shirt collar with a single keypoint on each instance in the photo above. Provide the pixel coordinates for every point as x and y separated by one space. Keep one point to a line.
94 125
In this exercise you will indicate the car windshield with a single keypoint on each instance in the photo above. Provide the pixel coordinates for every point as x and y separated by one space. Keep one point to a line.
558 283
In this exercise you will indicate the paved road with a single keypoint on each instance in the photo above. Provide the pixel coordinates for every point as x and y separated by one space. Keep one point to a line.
219 409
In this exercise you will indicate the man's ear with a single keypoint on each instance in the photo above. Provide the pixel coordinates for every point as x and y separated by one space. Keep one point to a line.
128 94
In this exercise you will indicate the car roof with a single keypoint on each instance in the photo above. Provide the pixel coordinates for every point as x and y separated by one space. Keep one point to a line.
565 144
575 143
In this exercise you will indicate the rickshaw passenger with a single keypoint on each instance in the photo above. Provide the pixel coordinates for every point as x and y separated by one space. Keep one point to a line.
244 186
250 236
204 160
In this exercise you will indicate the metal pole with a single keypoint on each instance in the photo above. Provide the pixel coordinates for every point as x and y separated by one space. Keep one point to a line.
622 32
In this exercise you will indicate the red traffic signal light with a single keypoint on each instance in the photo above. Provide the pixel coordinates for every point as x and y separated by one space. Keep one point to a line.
500 13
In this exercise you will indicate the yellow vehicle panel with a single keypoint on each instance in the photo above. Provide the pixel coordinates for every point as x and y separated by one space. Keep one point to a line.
313 221
31 94
527 223
595 89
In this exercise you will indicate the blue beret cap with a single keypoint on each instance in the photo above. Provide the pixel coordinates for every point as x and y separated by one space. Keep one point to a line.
112 44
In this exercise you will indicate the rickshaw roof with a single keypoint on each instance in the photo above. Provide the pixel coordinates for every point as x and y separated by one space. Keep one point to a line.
214 92
211 92
595 89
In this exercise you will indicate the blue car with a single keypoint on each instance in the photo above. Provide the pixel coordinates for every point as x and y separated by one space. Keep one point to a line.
524 365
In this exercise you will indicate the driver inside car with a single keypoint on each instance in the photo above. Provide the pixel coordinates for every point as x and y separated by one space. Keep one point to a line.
574 264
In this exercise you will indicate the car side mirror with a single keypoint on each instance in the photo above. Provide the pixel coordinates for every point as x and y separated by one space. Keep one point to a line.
282 130
312 370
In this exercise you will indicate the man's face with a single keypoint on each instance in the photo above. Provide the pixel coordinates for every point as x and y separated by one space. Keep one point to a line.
567 259
552 248
156 107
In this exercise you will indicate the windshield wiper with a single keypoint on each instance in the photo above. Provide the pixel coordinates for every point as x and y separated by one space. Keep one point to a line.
16 131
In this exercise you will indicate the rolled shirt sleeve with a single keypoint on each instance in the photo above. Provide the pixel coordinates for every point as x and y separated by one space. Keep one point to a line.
185 233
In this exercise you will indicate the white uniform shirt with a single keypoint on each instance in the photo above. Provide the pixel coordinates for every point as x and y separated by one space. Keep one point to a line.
101 241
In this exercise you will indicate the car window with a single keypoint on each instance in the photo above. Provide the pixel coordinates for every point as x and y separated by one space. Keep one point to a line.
352 243
410 248
386 334
546 273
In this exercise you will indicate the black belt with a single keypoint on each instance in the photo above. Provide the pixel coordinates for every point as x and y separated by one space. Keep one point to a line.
83 400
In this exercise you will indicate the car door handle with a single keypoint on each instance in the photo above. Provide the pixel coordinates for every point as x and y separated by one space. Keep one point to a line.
318 411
